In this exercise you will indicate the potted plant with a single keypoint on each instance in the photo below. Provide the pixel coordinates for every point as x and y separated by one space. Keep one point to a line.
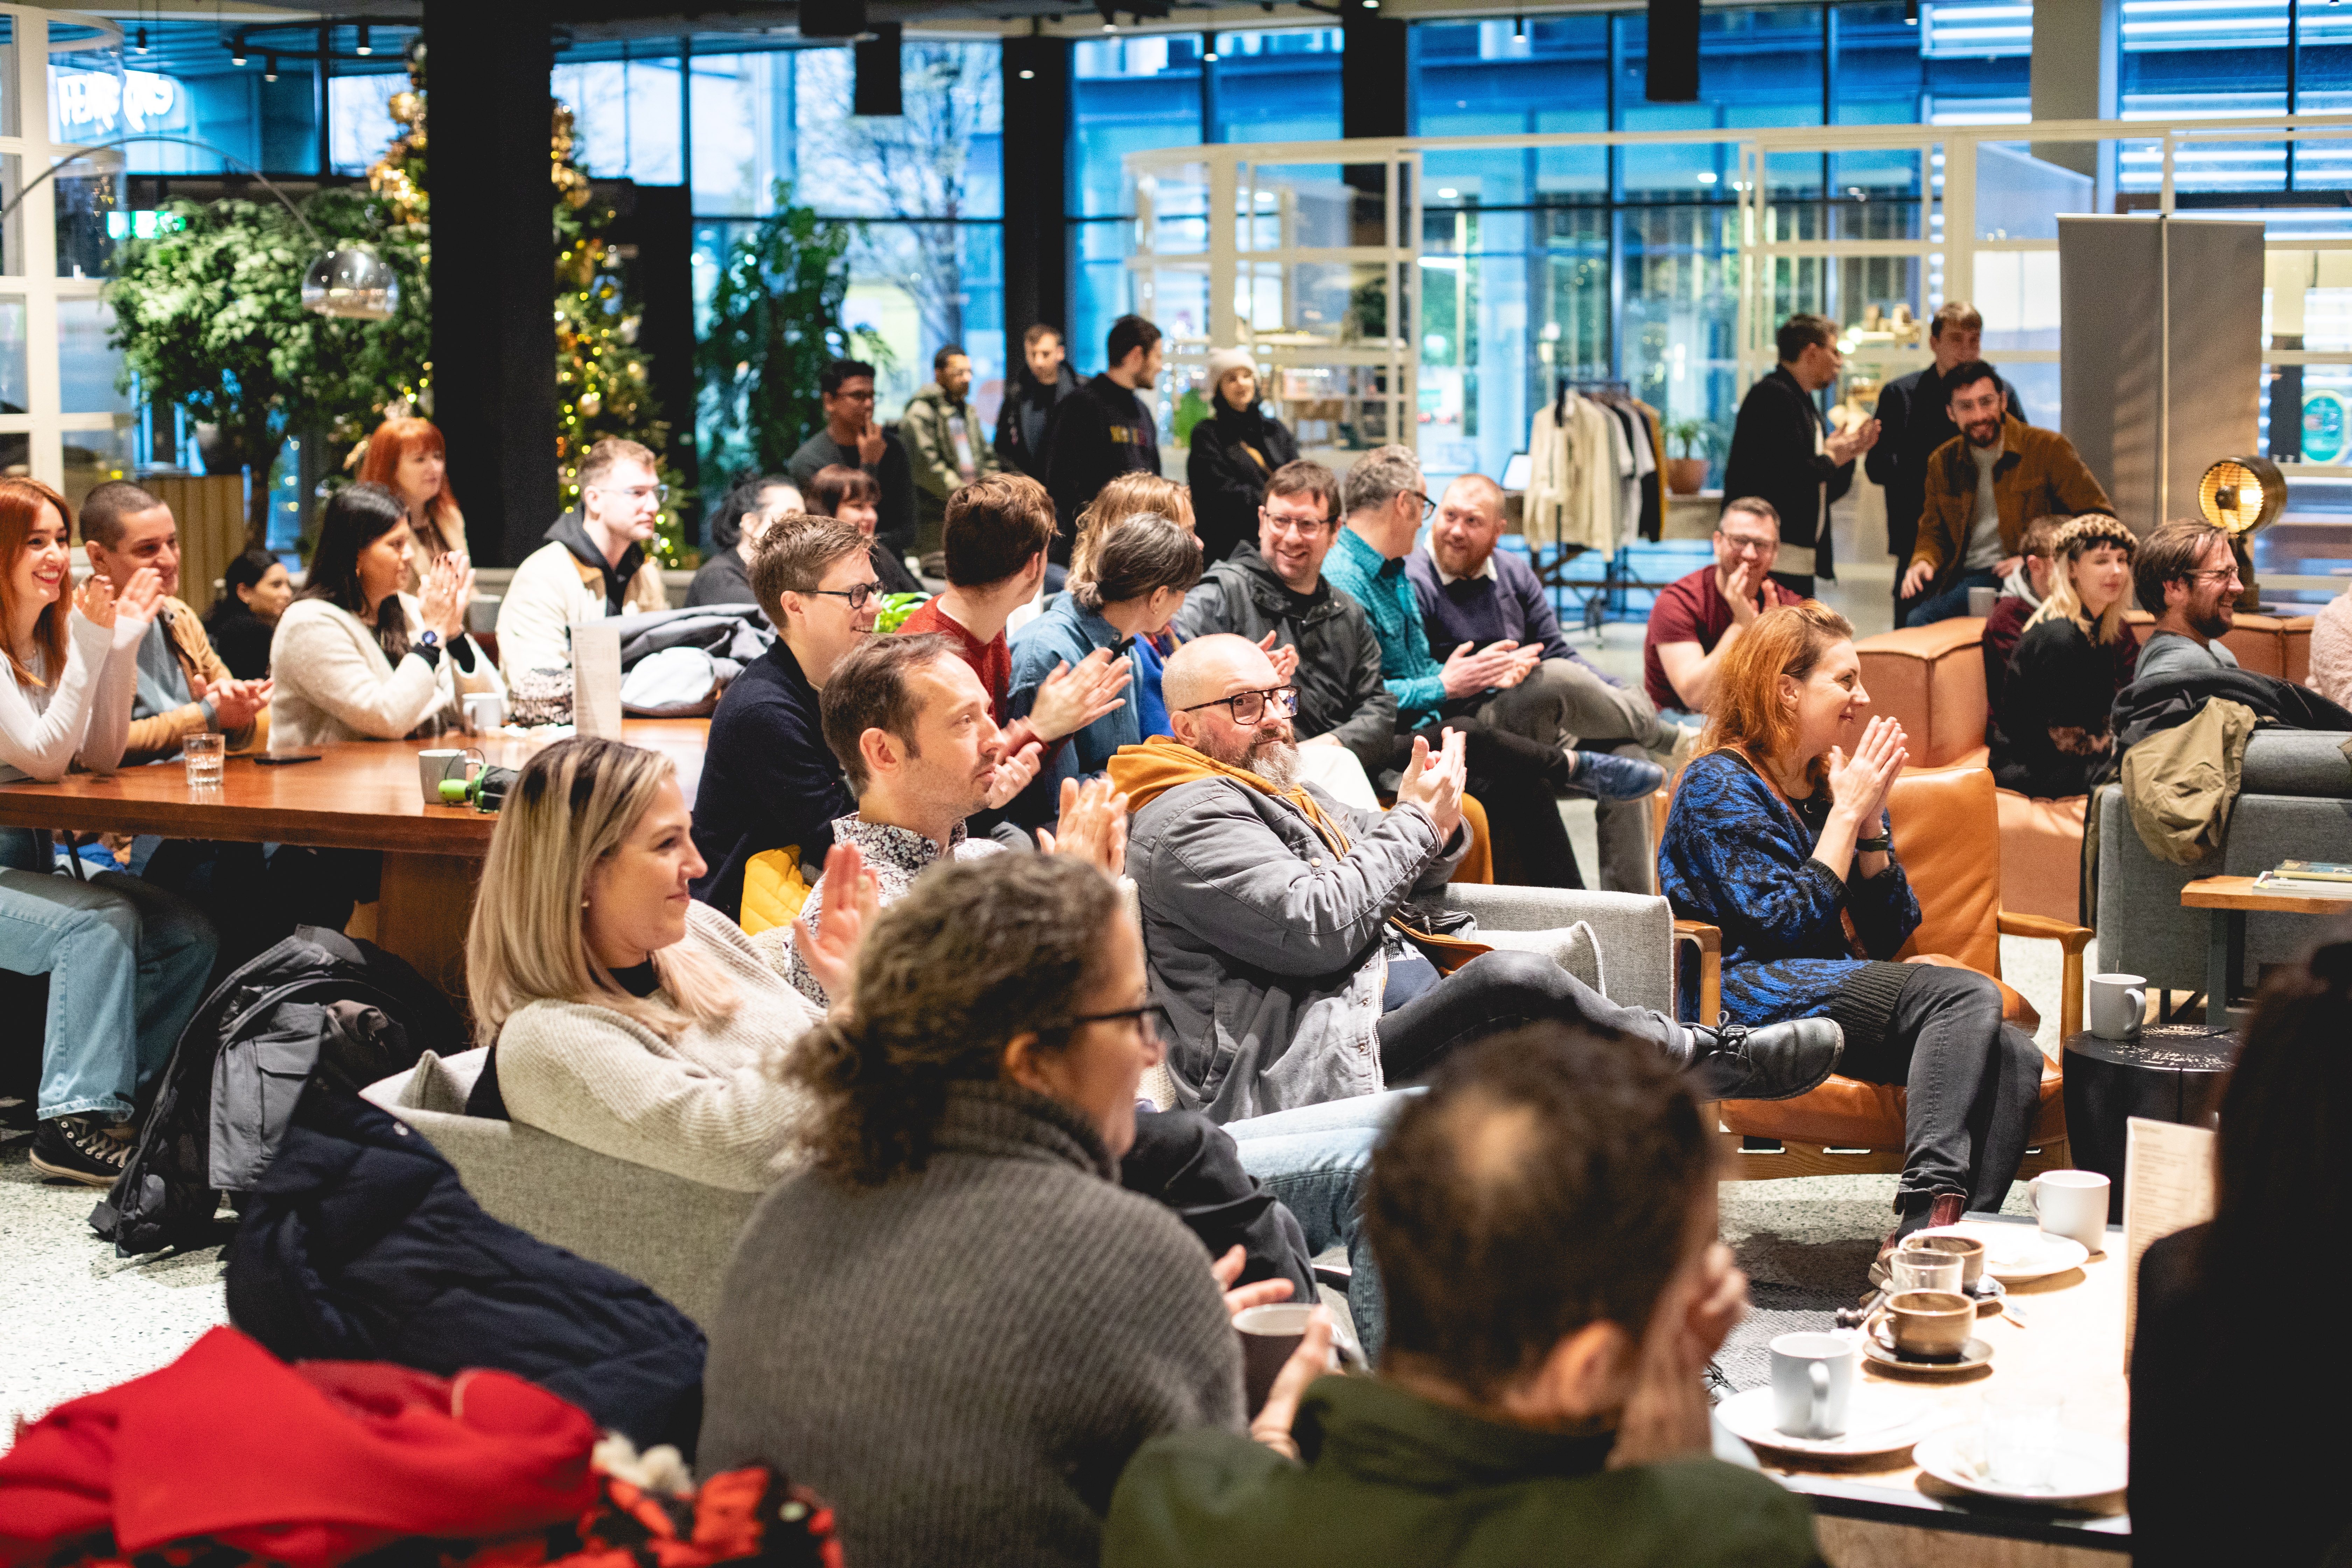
1687 475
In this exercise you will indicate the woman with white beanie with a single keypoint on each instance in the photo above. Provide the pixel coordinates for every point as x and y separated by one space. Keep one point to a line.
1235 451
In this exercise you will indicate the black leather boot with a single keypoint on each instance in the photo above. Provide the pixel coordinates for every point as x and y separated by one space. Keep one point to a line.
1779 1061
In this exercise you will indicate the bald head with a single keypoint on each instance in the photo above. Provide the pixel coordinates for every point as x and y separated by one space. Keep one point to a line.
1468 523
1211 666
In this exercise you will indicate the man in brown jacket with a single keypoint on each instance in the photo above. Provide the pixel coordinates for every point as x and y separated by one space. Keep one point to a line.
184 687
1983 488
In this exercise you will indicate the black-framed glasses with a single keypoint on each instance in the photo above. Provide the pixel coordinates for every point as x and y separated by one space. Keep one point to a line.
1249 707
1150 1019
1308 526
1428 507
859 594
2219 575
637 493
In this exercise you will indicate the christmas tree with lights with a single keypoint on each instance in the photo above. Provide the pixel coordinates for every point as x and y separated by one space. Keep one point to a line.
602 381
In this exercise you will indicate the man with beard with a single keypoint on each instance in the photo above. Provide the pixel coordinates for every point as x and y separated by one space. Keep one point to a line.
1271 920
2187 575
1983 487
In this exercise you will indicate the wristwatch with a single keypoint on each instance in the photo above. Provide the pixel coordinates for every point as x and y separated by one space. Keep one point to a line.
428 638
1879 845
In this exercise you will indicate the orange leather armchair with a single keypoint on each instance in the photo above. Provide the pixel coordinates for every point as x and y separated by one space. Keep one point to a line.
1944 820
2267 645
1932 679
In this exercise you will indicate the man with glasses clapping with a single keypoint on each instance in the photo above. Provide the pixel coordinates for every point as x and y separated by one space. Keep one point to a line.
1697 619
593 564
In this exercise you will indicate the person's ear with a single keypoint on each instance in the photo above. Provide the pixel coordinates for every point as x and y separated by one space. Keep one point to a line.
879 750
1184 727
1024 1062
1790 691
1589 1375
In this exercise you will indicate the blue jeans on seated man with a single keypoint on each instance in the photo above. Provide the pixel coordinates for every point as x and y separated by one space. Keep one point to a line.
1953 602
128 964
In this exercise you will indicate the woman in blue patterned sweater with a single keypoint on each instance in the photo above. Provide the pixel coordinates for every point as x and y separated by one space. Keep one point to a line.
1780 838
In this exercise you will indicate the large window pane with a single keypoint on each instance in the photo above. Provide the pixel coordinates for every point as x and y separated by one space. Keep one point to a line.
1127 95
937 160
1280 85
625 118
86 365
358 125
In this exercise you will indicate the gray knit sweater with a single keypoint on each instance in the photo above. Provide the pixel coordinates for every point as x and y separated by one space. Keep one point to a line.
963 1359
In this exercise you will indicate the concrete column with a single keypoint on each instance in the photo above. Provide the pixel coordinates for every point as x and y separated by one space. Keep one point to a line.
493 267
2077 61
1036 150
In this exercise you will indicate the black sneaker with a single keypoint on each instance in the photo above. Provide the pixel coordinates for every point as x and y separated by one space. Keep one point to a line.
83 1149
1779 1061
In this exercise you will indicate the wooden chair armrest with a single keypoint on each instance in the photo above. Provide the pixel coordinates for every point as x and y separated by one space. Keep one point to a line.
2071 939
1710 940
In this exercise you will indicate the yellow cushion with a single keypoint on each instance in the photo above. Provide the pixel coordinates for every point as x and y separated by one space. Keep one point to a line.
774 889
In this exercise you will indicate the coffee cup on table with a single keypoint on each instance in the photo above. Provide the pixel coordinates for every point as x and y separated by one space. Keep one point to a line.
1926 1325
2115 1005
1269 1335
485 712
433 766
1812 1383
2071 1204
1981 601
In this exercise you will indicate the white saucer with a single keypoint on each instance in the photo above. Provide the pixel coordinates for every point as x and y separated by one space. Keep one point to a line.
2086 1466
2027 1254
1878 1422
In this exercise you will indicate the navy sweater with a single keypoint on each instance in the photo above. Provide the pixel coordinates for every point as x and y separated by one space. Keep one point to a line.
1734 855
768 777
1510 606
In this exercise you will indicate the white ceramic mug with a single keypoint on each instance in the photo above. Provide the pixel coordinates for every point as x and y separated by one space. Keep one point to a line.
2071 1204
2115 1005
1812 1383
1981 601
433 766
485 712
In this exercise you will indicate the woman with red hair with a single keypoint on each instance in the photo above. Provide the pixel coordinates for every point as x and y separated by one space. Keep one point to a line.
1779 835
127 960
405 455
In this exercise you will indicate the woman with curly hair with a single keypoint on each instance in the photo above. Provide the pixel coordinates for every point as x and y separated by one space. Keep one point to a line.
954 1324
2049 731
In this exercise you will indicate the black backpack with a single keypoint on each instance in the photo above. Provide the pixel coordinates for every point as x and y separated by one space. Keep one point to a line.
317 1006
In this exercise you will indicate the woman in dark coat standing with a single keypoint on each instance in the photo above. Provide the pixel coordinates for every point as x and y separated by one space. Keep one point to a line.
1235 451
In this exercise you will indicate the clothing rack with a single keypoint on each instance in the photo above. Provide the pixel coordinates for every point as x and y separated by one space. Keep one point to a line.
1600 593
1567 384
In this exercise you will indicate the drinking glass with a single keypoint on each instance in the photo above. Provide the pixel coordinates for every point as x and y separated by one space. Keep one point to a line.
203 754
1924 1268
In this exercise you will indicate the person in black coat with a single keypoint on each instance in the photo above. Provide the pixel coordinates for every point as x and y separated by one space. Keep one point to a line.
1915 418
1111 428
1025 419
2049 721
1235 451
255 591
725 575
850 437
1783 452
2222 1468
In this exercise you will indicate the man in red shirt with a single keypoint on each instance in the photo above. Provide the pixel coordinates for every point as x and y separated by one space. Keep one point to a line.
1698 617
994 539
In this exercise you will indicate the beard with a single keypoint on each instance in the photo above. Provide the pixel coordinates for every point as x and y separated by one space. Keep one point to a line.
2216 620
1275 760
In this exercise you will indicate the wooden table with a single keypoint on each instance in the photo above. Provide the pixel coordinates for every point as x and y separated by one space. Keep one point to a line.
361 795
1889 1510
2231 899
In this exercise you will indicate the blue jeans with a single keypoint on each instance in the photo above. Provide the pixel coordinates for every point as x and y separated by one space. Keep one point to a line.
127 963
1314 1160
1953 602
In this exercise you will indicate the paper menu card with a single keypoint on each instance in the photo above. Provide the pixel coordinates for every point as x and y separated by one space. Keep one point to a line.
2168 1187
596 678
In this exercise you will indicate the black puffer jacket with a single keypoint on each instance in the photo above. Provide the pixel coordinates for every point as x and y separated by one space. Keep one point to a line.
1234 454
1339 686
2163 701
362 1245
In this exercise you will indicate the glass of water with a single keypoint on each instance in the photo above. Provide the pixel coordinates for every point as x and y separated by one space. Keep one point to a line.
1919 1268
204 754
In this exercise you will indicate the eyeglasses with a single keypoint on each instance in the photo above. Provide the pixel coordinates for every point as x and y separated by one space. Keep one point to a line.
2221 574
847 395
1249 707
1150 1020
859 594
1427 505
1750 546
636 492
1308 526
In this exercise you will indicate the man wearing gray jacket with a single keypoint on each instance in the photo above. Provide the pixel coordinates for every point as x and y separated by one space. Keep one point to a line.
1271 920
1278 588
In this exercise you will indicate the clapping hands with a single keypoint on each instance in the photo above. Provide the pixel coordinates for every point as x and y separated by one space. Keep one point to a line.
1093 827
1071 699
102 607
853 897
1436 784
1013 775
1858 785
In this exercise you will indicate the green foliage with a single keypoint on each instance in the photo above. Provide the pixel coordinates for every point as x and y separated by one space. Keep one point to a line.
208 314
1696 437
775 324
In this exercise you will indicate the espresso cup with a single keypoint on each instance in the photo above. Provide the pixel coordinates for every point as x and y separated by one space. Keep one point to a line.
1926 1325
2115 1005
1812 1383
1269 1335
1966 1248
2071 1204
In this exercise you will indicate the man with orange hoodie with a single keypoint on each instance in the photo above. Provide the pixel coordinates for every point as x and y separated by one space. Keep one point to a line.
1281 938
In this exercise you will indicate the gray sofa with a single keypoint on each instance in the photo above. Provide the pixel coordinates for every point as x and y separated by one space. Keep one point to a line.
665 1231
2295 800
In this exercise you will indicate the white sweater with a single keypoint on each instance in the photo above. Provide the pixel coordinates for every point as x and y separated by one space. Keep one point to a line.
81 715
551 593
705 1108
334 682
2331 651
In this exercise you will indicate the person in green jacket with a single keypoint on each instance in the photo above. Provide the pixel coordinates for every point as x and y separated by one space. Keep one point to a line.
946 441
1545 1219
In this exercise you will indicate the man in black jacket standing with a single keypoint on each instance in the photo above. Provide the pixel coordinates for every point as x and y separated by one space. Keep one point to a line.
1025 419
1111 428
1914 420
1783 451
851 439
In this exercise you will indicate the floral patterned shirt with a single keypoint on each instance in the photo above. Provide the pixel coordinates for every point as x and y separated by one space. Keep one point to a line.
896 855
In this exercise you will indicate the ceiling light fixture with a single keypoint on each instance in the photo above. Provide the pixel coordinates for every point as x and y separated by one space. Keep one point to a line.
1910 13
236 52
365 46
269 67
1028 76
138 42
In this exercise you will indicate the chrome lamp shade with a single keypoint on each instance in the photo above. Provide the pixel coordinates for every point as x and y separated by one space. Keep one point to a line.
352 283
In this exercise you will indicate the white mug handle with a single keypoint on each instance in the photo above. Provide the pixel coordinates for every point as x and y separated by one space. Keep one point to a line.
2033 1197
1818 1371
2138 1002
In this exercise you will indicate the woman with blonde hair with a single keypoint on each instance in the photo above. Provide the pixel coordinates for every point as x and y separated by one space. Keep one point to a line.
1120 503
2050 732
406 456
1780 836
621 1014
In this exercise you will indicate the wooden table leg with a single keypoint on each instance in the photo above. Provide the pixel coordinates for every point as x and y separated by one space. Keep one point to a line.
422 915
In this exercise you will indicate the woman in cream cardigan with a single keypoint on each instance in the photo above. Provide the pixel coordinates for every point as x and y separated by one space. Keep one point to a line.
358 660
